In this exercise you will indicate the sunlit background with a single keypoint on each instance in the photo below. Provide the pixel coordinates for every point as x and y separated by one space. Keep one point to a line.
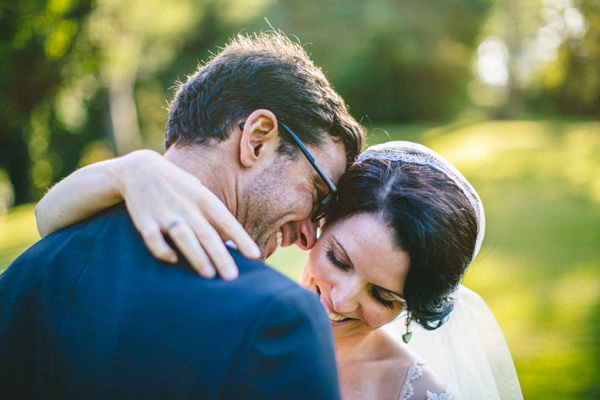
508 90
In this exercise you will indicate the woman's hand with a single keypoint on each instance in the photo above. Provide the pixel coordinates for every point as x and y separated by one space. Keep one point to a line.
163 198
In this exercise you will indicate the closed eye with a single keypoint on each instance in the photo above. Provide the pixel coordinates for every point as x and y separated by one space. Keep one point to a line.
331 256
384 299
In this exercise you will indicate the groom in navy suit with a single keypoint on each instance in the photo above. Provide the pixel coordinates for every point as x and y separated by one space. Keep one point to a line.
88 313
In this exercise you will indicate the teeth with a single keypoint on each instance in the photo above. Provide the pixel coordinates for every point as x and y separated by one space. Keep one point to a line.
279 237
334 317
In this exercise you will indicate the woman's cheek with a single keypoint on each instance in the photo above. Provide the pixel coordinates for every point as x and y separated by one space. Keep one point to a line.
376 317
305 276
311 270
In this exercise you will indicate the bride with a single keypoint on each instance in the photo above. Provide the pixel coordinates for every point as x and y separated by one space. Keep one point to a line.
395 244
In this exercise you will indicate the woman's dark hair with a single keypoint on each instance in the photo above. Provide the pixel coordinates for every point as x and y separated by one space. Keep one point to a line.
432 221
266 70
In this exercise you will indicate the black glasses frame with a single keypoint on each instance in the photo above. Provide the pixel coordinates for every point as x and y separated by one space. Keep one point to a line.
332 188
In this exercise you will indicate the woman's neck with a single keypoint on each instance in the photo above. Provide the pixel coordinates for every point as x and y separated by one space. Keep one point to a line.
353 348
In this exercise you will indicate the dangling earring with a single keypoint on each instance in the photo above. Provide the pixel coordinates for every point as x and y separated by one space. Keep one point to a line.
406 337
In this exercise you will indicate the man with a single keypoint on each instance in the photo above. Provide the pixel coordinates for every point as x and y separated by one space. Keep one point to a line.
89 313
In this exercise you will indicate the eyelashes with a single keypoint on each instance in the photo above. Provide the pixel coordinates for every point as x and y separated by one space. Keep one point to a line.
331 256
373 291
389 304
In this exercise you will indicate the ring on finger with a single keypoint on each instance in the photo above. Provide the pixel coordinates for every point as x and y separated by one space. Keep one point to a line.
174 222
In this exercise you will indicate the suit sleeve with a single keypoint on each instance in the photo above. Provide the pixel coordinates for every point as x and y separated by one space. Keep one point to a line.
289 352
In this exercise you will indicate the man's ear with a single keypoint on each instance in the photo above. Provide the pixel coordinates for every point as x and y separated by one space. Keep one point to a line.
259 137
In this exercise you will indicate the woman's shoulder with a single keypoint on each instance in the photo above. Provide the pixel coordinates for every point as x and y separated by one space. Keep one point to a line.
421 383
415 380
391 371
380 370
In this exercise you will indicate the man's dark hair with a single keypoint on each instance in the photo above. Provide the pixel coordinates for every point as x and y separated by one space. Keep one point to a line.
265 70
432 221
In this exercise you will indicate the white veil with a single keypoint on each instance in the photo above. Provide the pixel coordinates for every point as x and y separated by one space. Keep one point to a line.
468 352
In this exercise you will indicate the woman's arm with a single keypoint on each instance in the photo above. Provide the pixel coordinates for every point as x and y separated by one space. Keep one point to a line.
161 198
80 195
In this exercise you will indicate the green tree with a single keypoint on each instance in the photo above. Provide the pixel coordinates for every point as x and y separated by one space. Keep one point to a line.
84 81
552 58
36 38
571 82
392 61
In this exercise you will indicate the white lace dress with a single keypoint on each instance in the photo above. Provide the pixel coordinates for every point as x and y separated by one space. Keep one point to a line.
412 382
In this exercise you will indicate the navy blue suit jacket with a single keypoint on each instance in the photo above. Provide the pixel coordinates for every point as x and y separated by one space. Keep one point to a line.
88 313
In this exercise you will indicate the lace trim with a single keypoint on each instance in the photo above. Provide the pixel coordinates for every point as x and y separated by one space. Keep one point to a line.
441 396
414 372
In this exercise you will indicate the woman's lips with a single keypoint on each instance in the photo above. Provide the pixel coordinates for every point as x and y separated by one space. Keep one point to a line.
333 316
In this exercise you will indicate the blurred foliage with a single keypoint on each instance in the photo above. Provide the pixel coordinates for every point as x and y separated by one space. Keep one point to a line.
571 82
551 57
392 61
35 39
85 80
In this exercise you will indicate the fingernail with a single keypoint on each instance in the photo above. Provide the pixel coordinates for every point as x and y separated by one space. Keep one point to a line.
209 272
253 251
230 272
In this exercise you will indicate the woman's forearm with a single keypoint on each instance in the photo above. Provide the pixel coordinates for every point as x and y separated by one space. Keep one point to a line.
162 199
79 196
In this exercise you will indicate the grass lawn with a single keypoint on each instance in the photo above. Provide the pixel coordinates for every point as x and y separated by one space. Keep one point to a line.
539 268
17 233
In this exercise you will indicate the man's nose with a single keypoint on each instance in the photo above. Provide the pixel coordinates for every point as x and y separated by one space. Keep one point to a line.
308 235
344 294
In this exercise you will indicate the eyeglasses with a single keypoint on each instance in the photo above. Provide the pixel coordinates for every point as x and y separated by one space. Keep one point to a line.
332 189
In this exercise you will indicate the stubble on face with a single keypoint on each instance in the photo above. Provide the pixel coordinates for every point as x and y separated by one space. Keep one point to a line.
265 204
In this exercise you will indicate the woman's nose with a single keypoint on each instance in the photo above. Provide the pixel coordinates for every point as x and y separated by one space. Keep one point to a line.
308 235
344 294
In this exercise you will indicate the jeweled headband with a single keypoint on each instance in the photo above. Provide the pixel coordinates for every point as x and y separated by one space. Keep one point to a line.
414 153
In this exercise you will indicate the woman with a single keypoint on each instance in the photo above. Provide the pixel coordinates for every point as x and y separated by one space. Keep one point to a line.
399 237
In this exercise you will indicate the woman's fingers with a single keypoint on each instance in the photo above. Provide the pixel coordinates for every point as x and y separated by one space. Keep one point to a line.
227 226
212 243
200 245
155 242
185 239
